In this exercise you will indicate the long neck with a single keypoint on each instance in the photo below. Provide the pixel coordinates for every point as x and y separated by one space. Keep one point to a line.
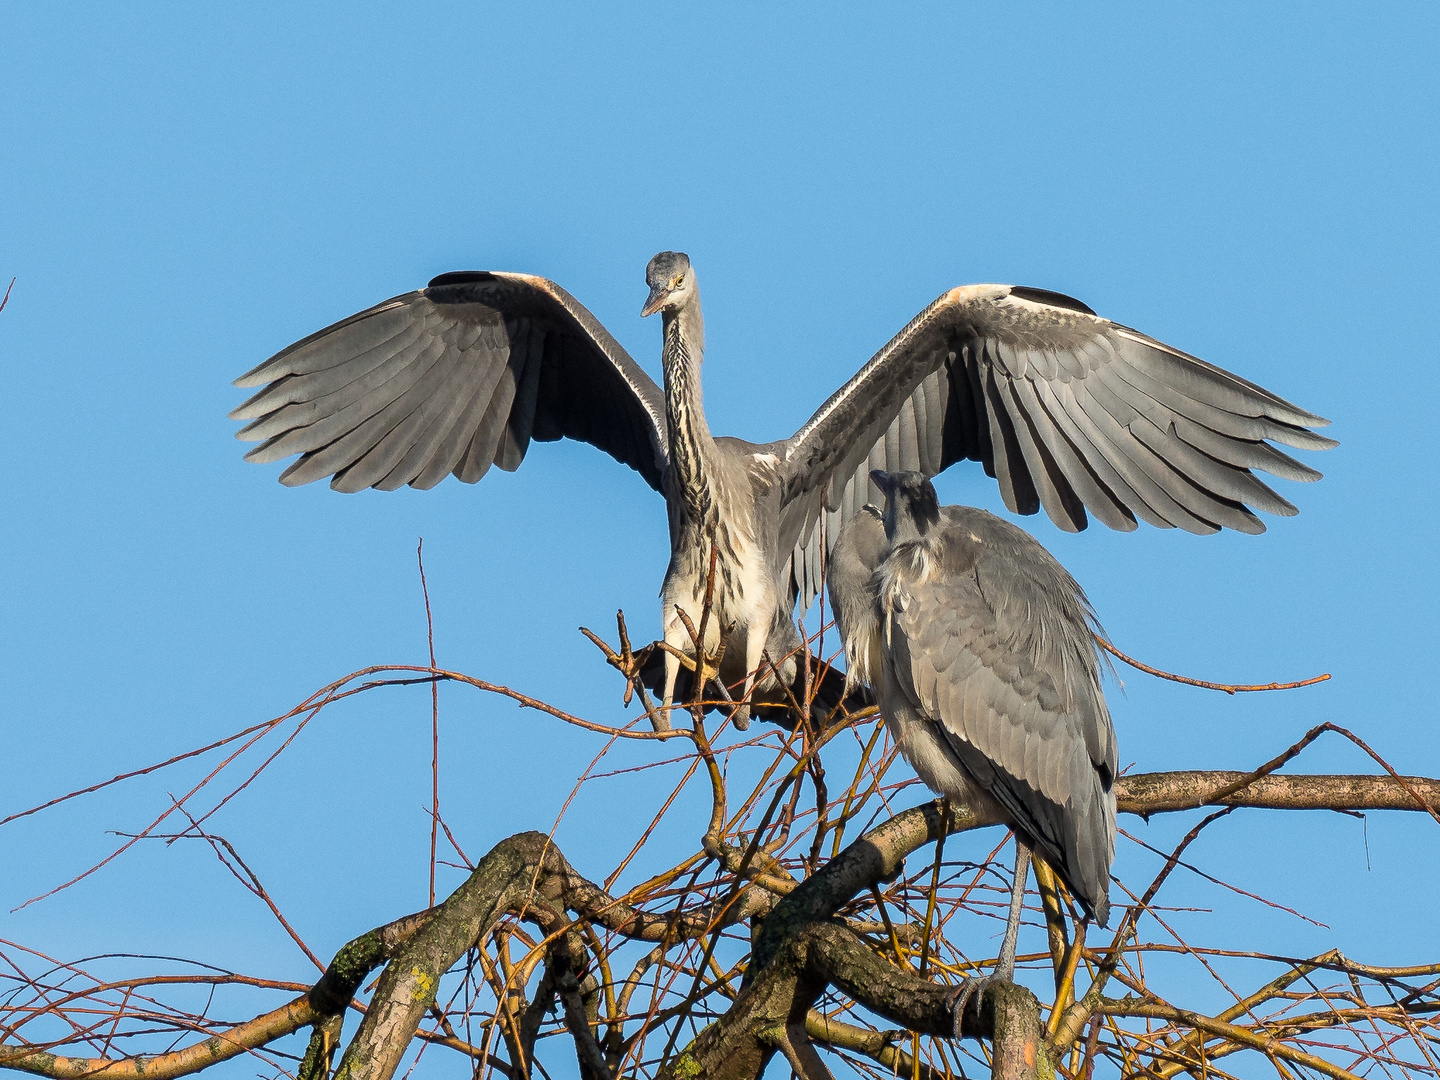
692 449
901 524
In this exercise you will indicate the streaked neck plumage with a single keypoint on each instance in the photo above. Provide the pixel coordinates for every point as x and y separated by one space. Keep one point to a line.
692 448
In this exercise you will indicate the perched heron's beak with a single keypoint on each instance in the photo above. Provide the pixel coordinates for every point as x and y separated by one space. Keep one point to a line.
881 479
656 300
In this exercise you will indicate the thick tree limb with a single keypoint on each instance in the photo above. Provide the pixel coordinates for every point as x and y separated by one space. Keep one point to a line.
1163 792
525 875
879 854
1020 1052
876 856
238 1040
503 879
739 1045
320 1054
879 1046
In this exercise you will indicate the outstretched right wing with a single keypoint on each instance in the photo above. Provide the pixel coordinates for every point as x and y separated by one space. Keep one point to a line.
452 378
1067 410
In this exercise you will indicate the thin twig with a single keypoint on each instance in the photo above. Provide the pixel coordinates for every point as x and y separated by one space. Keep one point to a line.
1228 688
434 721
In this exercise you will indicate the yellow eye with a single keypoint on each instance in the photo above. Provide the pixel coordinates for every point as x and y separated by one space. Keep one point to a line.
680 281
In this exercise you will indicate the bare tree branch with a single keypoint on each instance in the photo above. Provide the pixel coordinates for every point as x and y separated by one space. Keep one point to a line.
755 945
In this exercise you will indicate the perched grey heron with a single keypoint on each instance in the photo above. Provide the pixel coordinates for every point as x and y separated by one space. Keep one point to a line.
1067 410
979 647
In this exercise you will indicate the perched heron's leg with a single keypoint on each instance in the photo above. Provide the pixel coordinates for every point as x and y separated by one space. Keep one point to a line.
672 672
1005 965
673 632
755 638
1005 969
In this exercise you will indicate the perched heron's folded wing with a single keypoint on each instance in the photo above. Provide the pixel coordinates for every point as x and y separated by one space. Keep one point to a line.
452 378
991 643
1065 409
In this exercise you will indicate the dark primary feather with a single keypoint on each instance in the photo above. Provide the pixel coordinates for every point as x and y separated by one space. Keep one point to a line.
993 646
452 379
1068 411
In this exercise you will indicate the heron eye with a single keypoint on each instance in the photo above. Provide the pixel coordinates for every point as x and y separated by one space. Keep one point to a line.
680 281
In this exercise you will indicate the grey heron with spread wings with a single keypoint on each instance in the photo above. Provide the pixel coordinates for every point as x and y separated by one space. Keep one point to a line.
1067 410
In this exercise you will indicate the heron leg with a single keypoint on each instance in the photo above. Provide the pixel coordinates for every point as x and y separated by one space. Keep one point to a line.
754 653
1005 966
672 672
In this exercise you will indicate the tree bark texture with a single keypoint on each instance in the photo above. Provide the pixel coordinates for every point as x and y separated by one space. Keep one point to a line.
1163 792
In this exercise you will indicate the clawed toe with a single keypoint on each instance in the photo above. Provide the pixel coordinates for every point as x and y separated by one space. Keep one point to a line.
970 989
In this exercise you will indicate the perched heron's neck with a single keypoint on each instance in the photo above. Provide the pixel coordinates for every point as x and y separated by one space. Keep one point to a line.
692 449
901 527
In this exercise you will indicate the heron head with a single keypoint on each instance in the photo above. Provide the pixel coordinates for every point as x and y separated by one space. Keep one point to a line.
671 282
911 505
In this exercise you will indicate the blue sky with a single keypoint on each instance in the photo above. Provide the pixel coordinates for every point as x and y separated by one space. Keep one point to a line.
185 189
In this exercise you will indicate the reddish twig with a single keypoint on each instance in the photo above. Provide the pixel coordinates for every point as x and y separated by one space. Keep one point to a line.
149 829
141 772
312 705
455 844
254 885
1228 688
1223 884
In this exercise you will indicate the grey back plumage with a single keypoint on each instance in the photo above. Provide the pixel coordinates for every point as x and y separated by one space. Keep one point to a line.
990 678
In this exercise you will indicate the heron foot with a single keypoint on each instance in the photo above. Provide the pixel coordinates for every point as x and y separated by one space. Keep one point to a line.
741 717
969 990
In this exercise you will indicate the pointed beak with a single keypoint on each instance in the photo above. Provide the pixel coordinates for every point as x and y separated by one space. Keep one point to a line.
881 479
656 300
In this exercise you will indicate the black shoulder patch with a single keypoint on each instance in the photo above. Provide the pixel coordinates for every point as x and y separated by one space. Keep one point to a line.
1045 296
461 277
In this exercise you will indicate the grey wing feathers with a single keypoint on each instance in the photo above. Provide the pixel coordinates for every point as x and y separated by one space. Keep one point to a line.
992 642
452 378
1068 411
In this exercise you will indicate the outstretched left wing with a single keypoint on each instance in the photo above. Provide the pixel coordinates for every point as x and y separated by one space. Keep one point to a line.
453 378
